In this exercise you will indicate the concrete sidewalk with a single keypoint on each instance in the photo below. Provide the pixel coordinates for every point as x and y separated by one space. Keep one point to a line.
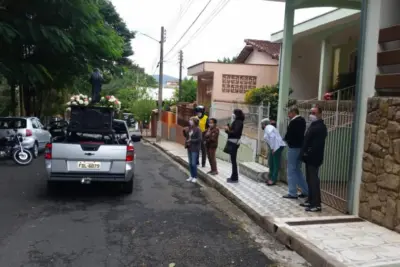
328 238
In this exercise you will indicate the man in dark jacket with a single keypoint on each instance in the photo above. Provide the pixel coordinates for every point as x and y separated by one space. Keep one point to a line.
294 138
312 155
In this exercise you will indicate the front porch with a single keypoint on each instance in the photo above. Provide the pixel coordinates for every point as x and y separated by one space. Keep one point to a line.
377 75
228 82
324 57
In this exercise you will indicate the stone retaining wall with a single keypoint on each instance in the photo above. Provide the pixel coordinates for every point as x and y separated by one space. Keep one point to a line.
380 188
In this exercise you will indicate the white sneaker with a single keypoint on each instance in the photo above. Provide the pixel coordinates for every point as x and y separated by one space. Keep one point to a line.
189 179
194 180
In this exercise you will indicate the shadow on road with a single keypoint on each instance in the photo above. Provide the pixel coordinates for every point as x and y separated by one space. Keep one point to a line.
76 192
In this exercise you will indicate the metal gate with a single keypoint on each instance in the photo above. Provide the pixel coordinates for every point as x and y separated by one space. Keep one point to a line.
335 172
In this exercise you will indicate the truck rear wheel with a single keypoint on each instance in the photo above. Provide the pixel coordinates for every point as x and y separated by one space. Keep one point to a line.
127 187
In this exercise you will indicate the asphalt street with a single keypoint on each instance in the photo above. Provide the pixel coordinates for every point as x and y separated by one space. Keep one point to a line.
165 222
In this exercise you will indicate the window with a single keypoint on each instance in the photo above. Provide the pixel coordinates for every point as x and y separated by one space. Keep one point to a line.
12 123
336 62
238 83
34 124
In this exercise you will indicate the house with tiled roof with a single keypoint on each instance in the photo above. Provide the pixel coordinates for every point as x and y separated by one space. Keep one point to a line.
259 52
255 66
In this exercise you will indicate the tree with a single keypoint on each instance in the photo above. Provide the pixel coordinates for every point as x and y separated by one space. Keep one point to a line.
129 77
142 109
79 34
189 90
227 60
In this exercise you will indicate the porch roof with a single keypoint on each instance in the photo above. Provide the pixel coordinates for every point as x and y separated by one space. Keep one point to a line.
338 17
297 4
209 67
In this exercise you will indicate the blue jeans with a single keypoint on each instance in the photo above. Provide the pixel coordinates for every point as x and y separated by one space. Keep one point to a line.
294 173
193 156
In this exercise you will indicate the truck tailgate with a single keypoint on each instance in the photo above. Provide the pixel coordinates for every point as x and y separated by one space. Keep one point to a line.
88 157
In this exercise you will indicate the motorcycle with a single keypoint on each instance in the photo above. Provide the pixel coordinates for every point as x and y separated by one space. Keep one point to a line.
11 147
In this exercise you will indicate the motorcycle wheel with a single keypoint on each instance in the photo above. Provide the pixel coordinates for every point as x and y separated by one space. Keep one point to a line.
23 157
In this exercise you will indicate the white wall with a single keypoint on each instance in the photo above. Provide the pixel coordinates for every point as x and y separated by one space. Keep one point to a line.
257 57
305 70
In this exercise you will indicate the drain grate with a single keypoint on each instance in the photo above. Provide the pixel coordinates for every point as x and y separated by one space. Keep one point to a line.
326 221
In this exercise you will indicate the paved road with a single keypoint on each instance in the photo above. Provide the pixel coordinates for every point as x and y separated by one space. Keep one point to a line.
166 220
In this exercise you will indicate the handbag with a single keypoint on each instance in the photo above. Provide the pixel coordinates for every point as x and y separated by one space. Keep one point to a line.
229 146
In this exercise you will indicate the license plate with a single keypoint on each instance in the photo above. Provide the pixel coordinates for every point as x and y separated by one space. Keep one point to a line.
90 165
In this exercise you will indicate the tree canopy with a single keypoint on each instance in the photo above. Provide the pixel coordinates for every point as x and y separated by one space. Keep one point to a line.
189 91
49 47
227 60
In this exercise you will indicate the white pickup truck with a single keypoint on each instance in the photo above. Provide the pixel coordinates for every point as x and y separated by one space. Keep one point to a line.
88 157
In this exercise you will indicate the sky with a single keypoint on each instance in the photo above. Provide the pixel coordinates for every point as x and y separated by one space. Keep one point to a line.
221 34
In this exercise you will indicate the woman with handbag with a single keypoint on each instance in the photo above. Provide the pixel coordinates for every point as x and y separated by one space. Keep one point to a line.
234 131
193 137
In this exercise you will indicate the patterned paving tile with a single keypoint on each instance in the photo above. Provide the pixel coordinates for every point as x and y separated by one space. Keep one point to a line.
266 200
354 244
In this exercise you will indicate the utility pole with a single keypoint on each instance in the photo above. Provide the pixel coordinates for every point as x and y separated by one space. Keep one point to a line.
180 75
160 84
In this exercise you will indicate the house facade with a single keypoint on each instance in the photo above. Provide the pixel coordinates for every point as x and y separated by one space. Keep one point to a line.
256 65
373 174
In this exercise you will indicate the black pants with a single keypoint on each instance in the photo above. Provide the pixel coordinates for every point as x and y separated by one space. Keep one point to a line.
234 175
203 155
314 187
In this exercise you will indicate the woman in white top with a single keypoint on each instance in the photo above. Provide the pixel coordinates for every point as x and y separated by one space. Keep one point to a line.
276 146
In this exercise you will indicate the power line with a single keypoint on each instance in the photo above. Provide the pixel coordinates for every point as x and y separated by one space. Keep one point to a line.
191 25
182 12
210 18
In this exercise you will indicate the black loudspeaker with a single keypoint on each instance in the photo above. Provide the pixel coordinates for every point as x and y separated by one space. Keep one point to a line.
91 119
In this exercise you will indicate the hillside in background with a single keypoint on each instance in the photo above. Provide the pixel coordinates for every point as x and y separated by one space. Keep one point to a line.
166 78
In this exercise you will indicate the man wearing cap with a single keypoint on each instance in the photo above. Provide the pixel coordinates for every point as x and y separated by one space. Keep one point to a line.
276 146
312 154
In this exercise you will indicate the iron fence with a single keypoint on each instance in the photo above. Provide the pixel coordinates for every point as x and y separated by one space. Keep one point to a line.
222 111
338 117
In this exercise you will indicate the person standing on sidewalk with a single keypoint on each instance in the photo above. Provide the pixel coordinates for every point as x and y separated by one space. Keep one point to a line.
193 143
234 131
294 138
276 146
211 140
203 125
312 154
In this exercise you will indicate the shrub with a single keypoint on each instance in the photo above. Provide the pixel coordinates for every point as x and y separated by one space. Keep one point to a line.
264 95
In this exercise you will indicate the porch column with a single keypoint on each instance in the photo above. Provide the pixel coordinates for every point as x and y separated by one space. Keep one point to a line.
365 88
285 64
324 68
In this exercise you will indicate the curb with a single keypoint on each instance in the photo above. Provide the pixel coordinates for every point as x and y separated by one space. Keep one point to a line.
314 255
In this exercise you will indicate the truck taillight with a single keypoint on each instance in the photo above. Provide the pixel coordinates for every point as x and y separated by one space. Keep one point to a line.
28 132
130 153
47 153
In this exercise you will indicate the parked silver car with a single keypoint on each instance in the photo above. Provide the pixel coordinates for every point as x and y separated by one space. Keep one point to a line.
35 136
